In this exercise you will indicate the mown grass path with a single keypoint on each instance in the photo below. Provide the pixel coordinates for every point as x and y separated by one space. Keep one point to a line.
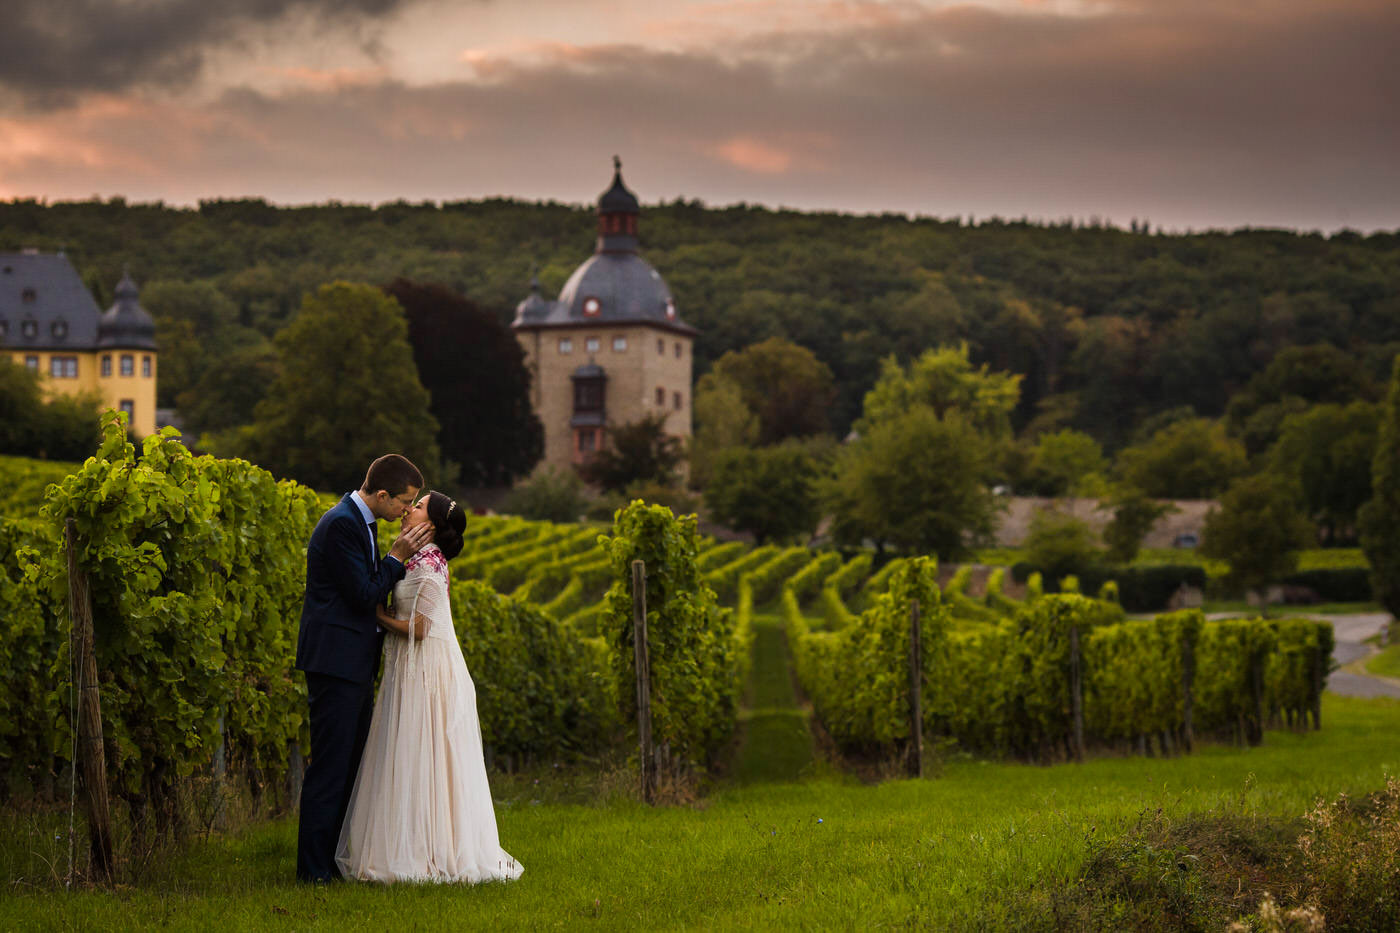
777 742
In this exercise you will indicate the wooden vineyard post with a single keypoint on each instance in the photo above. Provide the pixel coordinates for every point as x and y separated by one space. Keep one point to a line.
1076 692
916 706
643 663
92 761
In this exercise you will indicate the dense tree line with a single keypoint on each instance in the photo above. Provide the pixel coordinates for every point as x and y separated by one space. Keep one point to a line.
1107 327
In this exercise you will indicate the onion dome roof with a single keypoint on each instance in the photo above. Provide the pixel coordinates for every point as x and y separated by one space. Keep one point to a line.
126 323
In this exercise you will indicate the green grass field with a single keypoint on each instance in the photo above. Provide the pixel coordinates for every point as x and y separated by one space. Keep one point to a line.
1386 663
959 851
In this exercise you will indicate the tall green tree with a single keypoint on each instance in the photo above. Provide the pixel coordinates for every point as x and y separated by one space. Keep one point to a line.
346 393
65 427
723 422
768 491
1134 514
915 481
475 372
1066 463
640 451
1379 519
1258 530
784 385
1191 459
1295 379
1327 451
946 381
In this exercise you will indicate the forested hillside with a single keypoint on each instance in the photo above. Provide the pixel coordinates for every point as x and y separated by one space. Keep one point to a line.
1108 326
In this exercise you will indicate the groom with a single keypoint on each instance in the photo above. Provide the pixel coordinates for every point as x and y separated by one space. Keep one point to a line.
339 643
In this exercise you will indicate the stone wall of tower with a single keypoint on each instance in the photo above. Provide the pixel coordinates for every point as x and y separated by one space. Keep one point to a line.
646 374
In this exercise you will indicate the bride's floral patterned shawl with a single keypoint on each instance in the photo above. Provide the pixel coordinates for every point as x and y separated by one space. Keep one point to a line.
432 557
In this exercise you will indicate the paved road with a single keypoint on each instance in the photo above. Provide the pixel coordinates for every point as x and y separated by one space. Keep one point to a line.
1351 632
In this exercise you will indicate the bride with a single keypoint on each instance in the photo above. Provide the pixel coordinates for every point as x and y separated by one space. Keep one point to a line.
421 807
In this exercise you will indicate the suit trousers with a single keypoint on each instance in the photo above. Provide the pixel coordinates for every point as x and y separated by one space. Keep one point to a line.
340 718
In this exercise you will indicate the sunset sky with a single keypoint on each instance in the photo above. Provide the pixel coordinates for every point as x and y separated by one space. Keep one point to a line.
1189 113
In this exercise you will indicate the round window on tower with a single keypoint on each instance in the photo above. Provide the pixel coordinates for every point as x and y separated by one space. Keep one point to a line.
592 306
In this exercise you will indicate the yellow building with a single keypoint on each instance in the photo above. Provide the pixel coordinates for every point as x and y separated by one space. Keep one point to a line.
50 323
612 348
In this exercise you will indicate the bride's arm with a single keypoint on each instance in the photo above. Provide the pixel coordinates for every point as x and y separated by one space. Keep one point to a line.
421 623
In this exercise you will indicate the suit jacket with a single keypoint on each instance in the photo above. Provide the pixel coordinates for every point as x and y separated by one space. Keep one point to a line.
339 633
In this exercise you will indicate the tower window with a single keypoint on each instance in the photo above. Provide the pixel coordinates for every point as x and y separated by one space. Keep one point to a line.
619 344
146 366
660 347
592 344
678 349
660 396
106 364
676 397
566 345
128 364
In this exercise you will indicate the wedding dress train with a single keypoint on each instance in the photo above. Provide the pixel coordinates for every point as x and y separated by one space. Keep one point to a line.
421 806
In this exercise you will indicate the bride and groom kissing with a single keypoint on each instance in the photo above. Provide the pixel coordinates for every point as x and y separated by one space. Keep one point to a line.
396 788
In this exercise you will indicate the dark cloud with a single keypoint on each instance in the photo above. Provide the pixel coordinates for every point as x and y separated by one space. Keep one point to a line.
1189 117
52 50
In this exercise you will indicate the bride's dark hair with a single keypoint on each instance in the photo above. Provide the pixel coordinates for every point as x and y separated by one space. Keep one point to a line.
449 520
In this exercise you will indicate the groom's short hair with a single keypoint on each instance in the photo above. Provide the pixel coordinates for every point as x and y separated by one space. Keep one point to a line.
393 474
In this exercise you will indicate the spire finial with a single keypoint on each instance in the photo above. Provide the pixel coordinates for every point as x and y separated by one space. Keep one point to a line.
617 165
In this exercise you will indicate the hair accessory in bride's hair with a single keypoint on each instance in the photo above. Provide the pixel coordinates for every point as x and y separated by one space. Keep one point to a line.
452 506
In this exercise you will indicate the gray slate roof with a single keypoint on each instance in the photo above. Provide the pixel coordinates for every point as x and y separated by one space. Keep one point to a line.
126 324
44 305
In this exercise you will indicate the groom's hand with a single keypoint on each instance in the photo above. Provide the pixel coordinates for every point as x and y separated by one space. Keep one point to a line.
408 543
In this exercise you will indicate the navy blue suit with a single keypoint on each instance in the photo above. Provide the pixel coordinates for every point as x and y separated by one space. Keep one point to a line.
338 647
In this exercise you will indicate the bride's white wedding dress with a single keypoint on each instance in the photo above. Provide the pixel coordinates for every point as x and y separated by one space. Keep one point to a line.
421 807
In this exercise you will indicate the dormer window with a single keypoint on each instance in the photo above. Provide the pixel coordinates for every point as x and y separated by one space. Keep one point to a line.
28 296
29 329
59 329
4 329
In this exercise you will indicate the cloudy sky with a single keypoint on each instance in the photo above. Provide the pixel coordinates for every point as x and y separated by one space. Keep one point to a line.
1190 113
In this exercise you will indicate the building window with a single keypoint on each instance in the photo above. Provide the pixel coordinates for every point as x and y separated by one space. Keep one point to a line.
29 329
4 329
106 364
678 349
59 329
28 295
676 398
591 344
128 406
588 395
128 364
566 345
32 362
660 396
146 366
587 441
619 344
660 346
592 307
63 367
